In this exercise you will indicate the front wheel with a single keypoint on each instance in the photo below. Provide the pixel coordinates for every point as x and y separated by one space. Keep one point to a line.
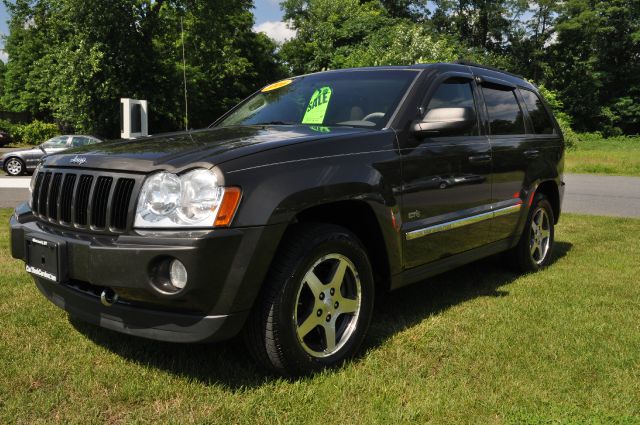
317 302
535 247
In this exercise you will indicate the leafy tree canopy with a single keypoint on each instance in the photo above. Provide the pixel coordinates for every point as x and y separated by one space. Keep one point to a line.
72 60
586 50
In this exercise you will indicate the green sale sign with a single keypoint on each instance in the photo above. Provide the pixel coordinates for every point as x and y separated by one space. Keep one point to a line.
317 108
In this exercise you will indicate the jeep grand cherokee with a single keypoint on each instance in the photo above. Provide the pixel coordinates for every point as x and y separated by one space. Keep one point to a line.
291 212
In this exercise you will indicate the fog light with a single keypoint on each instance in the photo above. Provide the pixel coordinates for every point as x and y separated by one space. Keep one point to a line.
177 274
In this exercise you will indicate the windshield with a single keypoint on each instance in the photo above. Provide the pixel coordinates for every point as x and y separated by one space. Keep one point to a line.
347 98
56 142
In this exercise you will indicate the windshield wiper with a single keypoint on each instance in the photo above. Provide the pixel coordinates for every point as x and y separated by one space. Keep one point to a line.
275 123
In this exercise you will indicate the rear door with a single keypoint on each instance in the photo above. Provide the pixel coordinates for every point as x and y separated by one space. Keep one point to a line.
544 143
446 193
510 149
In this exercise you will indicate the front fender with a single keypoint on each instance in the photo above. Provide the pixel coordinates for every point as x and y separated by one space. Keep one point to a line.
277 185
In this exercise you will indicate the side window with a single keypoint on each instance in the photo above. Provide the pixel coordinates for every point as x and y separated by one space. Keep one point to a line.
505 115
80 141
542 123
455 93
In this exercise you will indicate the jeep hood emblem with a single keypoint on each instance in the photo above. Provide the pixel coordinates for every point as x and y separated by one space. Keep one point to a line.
79 160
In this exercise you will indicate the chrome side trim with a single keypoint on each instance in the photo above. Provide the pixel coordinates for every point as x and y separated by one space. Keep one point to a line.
443 227
507 210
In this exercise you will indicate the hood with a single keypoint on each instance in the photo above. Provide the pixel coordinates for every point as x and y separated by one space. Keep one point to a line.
22 151
204 148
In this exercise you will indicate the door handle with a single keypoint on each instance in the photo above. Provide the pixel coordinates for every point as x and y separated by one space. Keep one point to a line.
533 153
476 159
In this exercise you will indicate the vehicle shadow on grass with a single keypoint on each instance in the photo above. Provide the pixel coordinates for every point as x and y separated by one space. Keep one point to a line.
229 365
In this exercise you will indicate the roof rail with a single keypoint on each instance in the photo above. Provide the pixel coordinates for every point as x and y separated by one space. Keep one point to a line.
490 68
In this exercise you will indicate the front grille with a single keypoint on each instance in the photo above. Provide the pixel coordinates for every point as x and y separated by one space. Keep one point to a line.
86 199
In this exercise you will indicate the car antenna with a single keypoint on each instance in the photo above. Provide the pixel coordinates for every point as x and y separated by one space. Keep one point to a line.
184 77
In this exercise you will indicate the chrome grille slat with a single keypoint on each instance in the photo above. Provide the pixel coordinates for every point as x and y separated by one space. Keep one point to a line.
77 198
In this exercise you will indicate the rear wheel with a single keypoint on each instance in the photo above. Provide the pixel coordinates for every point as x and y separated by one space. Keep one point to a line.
14 166
317 302
535 247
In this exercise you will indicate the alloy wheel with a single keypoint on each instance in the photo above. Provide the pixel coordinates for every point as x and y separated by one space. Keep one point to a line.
14 167
540 236
328 305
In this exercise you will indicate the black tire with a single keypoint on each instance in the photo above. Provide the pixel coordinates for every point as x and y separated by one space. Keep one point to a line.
523 255
272 330
11 170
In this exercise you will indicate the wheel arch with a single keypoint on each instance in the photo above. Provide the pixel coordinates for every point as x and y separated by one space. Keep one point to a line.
9 158
550 189
359 218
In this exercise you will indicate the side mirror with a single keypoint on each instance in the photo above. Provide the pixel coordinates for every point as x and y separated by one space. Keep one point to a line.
445 121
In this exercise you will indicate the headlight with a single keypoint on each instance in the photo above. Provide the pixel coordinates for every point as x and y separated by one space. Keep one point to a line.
201 197
194 199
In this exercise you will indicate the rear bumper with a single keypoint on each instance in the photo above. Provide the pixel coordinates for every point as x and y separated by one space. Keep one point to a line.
225 268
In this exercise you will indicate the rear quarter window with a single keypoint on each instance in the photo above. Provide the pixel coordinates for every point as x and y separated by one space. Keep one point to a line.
542 122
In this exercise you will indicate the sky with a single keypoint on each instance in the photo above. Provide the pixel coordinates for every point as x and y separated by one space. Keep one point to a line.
268 19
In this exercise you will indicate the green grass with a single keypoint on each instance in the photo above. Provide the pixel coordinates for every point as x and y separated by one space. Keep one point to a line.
595 155
476 345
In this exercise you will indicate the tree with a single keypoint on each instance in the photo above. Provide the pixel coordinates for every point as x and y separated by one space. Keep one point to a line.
403 43
26 45
351 33
328 31
72 60
415 10
595 64
478 23
529 39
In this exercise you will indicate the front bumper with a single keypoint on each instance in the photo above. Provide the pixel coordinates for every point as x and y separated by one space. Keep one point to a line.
143 322
225 267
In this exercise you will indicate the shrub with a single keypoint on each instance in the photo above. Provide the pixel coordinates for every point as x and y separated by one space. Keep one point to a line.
35 132
6 125
598 136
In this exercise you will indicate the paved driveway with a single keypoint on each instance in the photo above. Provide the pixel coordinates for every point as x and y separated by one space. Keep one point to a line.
602 195
585 193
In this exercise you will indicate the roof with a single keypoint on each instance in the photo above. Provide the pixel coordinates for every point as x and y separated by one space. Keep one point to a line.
460 66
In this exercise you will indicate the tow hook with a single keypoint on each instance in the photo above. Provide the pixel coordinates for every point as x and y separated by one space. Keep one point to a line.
108 297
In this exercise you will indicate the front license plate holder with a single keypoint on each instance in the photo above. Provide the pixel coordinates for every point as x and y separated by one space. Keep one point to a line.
43 258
